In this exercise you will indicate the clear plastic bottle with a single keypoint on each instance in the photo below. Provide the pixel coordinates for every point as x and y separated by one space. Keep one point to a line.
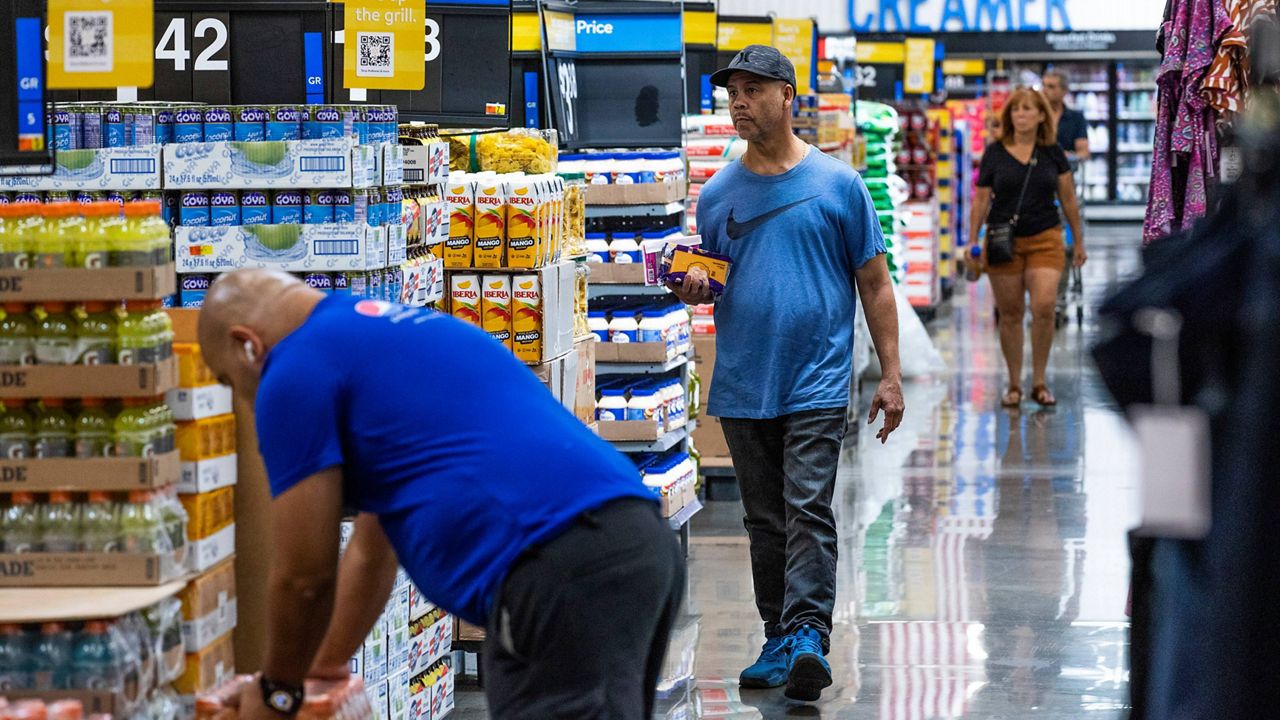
55 337
96 663
17 335
133 247
51 658
15 658
134 430
92 246
164 429
21 529
28 224
16 430
95 334
142 526
175 520
60 524
100 524
135 342
54 429
159 328
64 226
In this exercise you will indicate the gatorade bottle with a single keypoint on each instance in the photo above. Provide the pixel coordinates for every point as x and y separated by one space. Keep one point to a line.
59 524
63 228
160 418
175 520
151 227
95 334
142 527
135 344
102 221
93 430
15 659
55 429
51 658
159 328
100 524
17 335
16 430
8 225
28 224
96 663
55 342
21 530
133 430
134 246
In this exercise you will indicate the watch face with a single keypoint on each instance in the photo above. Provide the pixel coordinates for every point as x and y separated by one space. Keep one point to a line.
282 701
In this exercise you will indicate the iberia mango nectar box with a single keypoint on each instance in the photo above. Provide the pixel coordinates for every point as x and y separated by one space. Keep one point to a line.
491 222
459 248
495 308
524 223
526 321
464 298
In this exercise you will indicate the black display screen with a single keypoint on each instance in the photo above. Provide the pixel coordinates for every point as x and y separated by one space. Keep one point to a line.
631 103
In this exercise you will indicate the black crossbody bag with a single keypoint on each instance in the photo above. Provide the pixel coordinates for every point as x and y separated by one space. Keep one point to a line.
1000 235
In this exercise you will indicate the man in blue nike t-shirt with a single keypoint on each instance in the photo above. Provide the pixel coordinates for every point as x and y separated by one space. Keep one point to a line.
805 243
502 507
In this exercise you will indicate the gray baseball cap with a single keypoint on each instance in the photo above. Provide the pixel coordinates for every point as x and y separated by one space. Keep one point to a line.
760 60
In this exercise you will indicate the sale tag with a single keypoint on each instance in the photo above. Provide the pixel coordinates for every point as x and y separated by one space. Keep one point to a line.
100 43
795 39
385 44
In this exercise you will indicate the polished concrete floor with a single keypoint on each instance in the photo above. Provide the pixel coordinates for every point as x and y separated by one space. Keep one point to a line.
983 565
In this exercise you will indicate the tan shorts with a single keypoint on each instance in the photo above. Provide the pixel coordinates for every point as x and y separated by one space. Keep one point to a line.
1046 250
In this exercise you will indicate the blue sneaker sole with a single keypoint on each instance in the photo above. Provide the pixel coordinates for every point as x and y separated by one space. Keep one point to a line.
809 677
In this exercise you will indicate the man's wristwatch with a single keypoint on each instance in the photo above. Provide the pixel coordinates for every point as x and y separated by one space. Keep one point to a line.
283 698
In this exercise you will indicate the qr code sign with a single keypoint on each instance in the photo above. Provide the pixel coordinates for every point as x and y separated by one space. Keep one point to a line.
376 54
87 39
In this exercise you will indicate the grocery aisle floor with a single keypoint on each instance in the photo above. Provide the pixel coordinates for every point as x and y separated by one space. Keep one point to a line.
983 568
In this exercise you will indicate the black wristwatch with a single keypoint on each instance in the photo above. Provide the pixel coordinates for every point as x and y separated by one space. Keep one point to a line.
283 698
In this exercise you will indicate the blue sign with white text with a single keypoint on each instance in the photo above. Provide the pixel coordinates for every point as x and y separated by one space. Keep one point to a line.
929 16
628 33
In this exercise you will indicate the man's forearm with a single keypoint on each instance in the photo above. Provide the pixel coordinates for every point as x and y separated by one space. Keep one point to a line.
366 575
300 610
882 319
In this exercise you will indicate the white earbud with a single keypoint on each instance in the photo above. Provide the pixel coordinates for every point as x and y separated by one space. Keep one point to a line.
249 352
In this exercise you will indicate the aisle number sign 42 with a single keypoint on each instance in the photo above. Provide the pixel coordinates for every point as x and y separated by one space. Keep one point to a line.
99 43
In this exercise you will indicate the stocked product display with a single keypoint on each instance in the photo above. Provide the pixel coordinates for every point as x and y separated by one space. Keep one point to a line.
918 162
324 700
504 221
82 230
55 333
139 522
38 709
880 125
520 150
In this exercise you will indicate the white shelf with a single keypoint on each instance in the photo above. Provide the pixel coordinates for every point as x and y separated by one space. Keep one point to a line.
603 211
1131 149
53 604
1138 87
608 368
598 290
1137 117
1089 87
679 519
661 445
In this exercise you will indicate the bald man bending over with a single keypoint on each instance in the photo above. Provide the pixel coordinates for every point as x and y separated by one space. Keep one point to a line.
501 506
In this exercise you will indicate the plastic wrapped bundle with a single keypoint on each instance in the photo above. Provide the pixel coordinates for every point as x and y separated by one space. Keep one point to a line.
344 700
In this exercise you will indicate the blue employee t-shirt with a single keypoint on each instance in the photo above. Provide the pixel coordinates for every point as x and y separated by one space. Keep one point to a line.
464 456
784 326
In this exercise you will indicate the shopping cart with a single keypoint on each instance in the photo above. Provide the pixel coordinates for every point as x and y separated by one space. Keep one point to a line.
1071 286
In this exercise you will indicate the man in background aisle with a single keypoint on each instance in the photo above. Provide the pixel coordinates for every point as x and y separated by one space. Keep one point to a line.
500 505
1073 128
805 243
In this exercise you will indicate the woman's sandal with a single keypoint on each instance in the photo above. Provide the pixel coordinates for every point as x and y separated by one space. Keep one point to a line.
1012 397
1042 396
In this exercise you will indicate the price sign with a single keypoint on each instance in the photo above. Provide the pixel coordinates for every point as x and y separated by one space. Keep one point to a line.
797 39
99 43
466 66
565 76
879 70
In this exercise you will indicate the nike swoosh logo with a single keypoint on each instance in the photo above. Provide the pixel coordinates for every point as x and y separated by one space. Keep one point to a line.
737 230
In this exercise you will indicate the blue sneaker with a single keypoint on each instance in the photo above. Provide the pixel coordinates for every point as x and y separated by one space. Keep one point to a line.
807 672
770 669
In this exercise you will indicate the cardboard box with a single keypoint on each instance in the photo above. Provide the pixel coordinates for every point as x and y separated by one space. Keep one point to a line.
96 381
442 693
640 194
419 605
466 632
41 605
617 273
205 476
95 702
375 654
89 569
207 552
430 638
632 353
208 668
328 163
208 513
632 431
379 695
76 284
397 649
111 474
431 692
200 402
310 248
398 697
209 607
126 168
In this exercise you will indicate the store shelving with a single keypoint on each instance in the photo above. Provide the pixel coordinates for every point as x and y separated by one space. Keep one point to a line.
668 441
41 605
657 368
680 519
599 290
630 211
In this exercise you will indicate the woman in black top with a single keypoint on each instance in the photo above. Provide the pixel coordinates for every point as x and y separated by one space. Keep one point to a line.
1028 145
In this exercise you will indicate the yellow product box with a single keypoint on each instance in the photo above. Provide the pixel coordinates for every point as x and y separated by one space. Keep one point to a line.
209 607
208 669
207 513
495 308
716 266
207 438
459 249
525 226
491 222
192 370
464 298
526 317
